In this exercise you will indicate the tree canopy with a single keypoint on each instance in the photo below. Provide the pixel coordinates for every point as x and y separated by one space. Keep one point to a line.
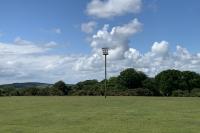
131 78
129 83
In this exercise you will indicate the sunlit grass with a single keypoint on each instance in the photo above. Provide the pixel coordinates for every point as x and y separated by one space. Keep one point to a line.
97 115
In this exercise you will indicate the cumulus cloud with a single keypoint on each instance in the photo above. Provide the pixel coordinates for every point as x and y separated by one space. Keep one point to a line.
161 48
20 41
132 54
111 8
20 47
183 53
20 62
122 56
160 58
51 44
23 60
116 39
88 27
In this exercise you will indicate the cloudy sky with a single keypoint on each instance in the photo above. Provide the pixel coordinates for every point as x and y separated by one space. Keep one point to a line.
51 40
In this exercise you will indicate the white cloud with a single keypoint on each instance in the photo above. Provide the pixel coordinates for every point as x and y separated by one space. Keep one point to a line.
116 39
88 27
132 54
54 30
89 63
20 41
20 47
23 61
161 48
121 56
51 44
31 62
183 53
111 8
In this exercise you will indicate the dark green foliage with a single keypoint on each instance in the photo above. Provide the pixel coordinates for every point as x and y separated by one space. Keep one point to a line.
85 84
143 92
180 83
114 84
180 93
130 78
129 83
190 80
195 92
44 91
60 88
168 81
56 92
8 91
88 87
151 84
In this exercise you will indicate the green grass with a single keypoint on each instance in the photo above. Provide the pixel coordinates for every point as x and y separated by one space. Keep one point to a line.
97 115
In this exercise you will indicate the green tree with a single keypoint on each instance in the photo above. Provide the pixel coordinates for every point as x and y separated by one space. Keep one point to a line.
151 84
44 91
87 87
113 84
190 80
61 88
130 78
168 81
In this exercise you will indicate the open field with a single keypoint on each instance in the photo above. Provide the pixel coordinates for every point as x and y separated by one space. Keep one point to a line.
97 115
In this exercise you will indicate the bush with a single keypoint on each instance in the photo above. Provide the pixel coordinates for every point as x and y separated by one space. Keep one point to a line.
180 93
143 92
195 92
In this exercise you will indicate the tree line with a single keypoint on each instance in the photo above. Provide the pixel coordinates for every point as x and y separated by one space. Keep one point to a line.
129 83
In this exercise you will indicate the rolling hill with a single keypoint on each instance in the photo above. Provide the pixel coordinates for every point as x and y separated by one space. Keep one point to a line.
25 85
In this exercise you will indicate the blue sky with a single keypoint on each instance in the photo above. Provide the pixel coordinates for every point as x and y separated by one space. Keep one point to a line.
55 29
176 21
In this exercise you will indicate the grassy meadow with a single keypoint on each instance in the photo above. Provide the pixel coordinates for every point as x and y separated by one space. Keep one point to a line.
97 115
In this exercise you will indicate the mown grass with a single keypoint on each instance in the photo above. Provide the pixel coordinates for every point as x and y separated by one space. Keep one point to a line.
97 115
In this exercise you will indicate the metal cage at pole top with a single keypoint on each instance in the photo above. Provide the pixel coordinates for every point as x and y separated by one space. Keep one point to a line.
105 51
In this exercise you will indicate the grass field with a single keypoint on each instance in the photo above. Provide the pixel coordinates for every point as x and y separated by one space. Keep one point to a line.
97 115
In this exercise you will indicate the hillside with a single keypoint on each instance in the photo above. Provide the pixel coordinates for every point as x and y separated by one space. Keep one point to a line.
25 85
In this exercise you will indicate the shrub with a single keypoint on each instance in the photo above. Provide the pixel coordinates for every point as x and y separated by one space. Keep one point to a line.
143 92
195 92
180 93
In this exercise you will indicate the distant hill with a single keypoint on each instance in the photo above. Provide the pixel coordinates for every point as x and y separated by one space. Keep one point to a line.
25 85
